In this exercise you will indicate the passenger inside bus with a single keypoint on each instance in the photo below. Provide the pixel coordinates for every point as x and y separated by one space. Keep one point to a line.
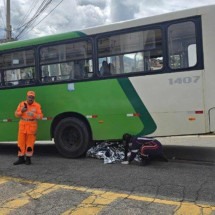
111 68
46 77
104 70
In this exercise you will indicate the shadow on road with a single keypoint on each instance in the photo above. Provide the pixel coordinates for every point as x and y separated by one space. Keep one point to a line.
39 149
173 153
190 153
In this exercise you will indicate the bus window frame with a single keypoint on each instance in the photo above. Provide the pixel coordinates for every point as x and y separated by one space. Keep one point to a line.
93 39
126 31
199 44
30 82
164 47
58 43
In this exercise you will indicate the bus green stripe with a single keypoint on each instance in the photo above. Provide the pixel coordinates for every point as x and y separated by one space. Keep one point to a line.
148 122
41 40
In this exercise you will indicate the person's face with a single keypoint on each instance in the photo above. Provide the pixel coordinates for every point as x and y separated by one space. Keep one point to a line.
30 99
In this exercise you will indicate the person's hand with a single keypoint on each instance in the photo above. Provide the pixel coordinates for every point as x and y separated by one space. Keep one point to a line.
29 113
124 162
24 109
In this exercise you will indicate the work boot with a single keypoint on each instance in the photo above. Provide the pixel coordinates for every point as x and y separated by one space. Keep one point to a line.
28 161
21 160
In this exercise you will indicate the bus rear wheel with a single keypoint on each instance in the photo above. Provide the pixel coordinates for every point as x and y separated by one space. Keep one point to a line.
72 137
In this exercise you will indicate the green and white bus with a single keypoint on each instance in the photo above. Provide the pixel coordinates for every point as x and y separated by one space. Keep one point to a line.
153 76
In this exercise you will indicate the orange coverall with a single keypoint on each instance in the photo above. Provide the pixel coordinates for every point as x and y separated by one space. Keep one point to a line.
27 127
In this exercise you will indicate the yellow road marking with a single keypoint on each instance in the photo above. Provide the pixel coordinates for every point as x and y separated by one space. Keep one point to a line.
3 180
153 200
25 198
98 200
188 208
94 203
183 208
207 211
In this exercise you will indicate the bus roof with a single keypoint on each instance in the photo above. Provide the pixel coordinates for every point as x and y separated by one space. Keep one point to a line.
151 19
111 27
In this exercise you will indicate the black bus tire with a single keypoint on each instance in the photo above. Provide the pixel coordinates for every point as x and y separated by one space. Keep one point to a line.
72 138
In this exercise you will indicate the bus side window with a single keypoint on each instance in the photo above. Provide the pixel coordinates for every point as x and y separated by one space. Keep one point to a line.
11 77
78 74
182 45
45 74
88 68
106 69
66 71
27 76
80 70
130 52
112 68
66 61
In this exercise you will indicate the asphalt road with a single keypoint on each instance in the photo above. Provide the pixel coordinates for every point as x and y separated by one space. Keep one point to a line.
56 185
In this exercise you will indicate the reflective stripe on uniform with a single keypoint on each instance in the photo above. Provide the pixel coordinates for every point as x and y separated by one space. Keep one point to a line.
28 120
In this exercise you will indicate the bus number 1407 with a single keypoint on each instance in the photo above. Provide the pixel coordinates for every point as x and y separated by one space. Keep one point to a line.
184 80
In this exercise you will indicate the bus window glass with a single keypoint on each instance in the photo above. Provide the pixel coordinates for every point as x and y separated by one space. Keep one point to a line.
130 52
22 76
50 54
192 55
5 60
11 77
18 68
17 59
70 61
182 45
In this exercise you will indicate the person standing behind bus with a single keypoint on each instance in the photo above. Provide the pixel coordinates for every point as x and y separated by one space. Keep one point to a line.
29 112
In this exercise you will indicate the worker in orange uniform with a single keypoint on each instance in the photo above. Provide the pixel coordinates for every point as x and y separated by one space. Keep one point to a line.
29 112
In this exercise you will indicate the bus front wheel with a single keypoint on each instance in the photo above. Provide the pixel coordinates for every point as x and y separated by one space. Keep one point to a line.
71 137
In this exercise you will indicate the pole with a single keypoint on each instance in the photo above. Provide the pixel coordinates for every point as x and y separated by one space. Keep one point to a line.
8 27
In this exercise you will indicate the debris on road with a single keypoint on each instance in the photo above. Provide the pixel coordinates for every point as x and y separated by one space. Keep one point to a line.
109 151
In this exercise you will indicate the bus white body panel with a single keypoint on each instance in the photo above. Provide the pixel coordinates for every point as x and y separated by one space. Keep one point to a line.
208 31
175 101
